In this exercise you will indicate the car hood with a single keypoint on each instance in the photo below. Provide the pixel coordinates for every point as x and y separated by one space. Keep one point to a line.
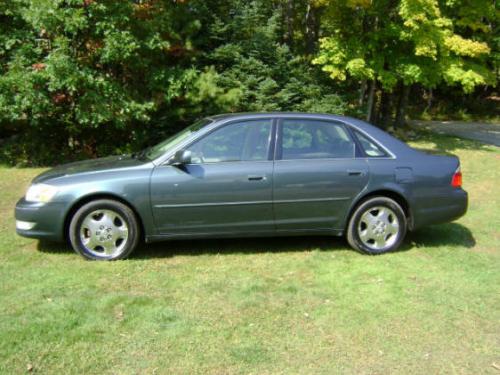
90 166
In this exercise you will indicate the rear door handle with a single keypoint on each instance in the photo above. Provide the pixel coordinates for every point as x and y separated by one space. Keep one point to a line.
256 178
355 172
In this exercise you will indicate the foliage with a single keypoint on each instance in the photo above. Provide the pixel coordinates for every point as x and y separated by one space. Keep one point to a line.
408 42
96 69
263 72
99 76
414 43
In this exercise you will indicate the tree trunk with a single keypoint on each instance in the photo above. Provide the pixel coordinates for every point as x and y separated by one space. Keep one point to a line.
429 101
289 13
371 101
402 103
385 115
312 28
362 92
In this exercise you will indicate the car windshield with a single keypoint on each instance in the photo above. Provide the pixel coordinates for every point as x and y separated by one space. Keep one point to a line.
161 148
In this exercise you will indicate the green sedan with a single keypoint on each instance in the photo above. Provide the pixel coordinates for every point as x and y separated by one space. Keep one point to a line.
247 175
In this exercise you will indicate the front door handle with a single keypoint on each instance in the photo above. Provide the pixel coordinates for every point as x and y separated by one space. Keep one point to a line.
256 178
355 172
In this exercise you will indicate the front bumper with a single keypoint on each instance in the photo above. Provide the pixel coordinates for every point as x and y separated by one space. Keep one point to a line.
40 220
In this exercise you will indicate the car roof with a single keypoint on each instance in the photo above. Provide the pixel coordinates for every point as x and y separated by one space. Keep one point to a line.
250 115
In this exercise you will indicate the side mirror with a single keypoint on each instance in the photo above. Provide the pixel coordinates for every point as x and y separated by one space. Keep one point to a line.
181 157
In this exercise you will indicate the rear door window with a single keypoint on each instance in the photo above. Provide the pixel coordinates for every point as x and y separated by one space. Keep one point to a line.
315 139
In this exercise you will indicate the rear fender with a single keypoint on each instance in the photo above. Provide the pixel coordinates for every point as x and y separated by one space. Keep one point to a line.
400 193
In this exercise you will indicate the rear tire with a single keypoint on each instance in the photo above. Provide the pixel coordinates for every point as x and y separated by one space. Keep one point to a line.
378 225
104 229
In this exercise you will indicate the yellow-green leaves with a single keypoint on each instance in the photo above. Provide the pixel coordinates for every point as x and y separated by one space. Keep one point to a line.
409 41
332 58
339 61
415 12
427 48
357 67
467 75
466 47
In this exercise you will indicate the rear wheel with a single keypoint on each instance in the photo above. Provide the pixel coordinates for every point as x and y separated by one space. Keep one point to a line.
378 225
104 229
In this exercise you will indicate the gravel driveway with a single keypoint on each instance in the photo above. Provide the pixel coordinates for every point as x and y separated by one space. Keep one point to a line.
486 133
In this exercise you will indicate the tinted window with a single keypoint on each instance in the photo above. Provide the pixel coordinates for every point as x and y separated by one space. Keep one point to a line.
369 147
242 141
312 139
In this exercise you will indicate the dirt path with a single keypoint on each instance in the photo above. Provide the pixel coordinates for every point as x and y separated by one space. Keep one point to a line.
486 133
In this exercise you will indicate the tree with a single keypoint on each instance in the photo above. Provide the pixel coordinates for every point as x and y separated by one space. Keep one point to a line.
99 76
396 44
256 64
85 73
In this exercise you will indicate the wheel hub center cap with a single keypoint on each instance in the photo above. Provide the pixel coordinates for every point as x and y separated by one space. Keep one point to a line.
104 234
379 227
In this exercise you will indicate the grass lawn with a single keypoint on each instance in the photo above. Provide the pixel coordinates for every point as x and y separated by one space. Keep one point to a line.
289 305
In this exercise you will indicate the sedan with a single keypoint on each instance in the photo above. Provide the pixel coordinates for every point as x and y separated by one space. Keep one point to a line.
247 175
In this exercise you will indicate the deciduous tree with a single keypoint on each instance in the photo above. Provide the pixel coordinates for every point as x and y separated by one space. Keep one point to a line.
395 44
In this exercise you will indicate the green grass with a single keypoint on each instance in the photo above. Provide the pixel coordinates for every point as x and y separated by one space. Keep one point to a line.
289 305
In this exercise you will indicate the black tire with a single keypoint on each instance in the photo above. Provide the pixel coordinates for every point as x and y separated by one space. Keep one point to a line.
110 206
355 225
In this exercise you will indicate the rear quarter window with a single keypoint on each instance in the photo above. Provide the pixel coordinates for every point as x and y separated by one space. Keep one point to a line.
370 148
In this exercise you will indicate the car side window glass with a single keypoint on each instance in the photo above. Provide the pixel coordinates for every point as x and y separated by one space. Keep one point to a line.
370 148
314 139
242 141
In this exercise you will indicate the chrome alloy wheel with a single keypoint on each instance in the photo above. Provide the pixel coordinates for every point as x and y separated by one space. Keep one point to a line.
104 233
378 227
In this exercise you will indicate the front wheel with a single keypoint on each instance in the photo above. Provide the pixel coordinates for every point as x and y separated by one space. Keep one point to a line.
378 225
104 229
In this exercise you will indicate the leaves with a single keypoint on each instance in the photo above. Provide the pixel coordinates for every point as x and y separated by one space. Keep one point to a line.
85 72
411 41
466 47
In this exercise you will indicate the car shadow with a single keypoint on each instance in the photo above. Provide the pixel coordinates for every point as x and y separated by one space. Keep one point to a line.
451 234
167 249
240 246
45 246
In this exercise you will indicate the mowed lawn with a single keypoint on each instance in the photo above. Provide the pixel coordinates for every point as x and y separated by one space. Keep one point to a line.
261 306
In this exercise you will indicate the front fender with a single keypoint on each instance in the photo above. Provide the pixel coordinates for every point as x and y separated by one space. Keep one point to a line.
131 189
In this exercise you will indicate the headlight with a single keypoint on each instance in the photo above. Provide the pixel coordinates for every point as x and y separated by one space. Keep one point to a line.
40 193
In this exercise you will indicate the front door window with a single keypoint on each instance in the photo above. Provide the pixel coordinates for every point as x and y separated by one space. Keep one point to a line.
242 141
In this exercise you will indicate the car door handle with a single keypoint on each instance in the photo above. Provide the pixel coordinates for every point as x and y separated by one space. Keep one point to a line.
256 178
355 172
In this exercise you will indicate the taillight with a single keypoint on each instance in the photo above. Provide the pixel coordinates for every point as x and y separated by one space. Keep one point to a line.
456 180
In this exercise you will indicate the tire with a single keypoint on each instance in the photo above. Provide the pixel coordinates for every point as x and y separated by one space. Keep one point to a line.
378 225
104 229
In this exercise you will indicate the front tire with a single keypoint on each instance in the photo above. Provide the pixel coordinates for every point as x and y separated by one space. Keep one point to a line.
104 229
378 225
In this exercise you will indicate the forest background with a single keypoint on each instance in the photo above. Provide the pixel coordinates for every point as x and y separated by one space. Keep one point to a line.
89 78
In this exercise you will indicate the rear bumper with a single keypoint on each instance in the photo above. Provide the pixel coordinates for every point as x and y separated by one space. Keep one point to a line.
449 208
42 221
